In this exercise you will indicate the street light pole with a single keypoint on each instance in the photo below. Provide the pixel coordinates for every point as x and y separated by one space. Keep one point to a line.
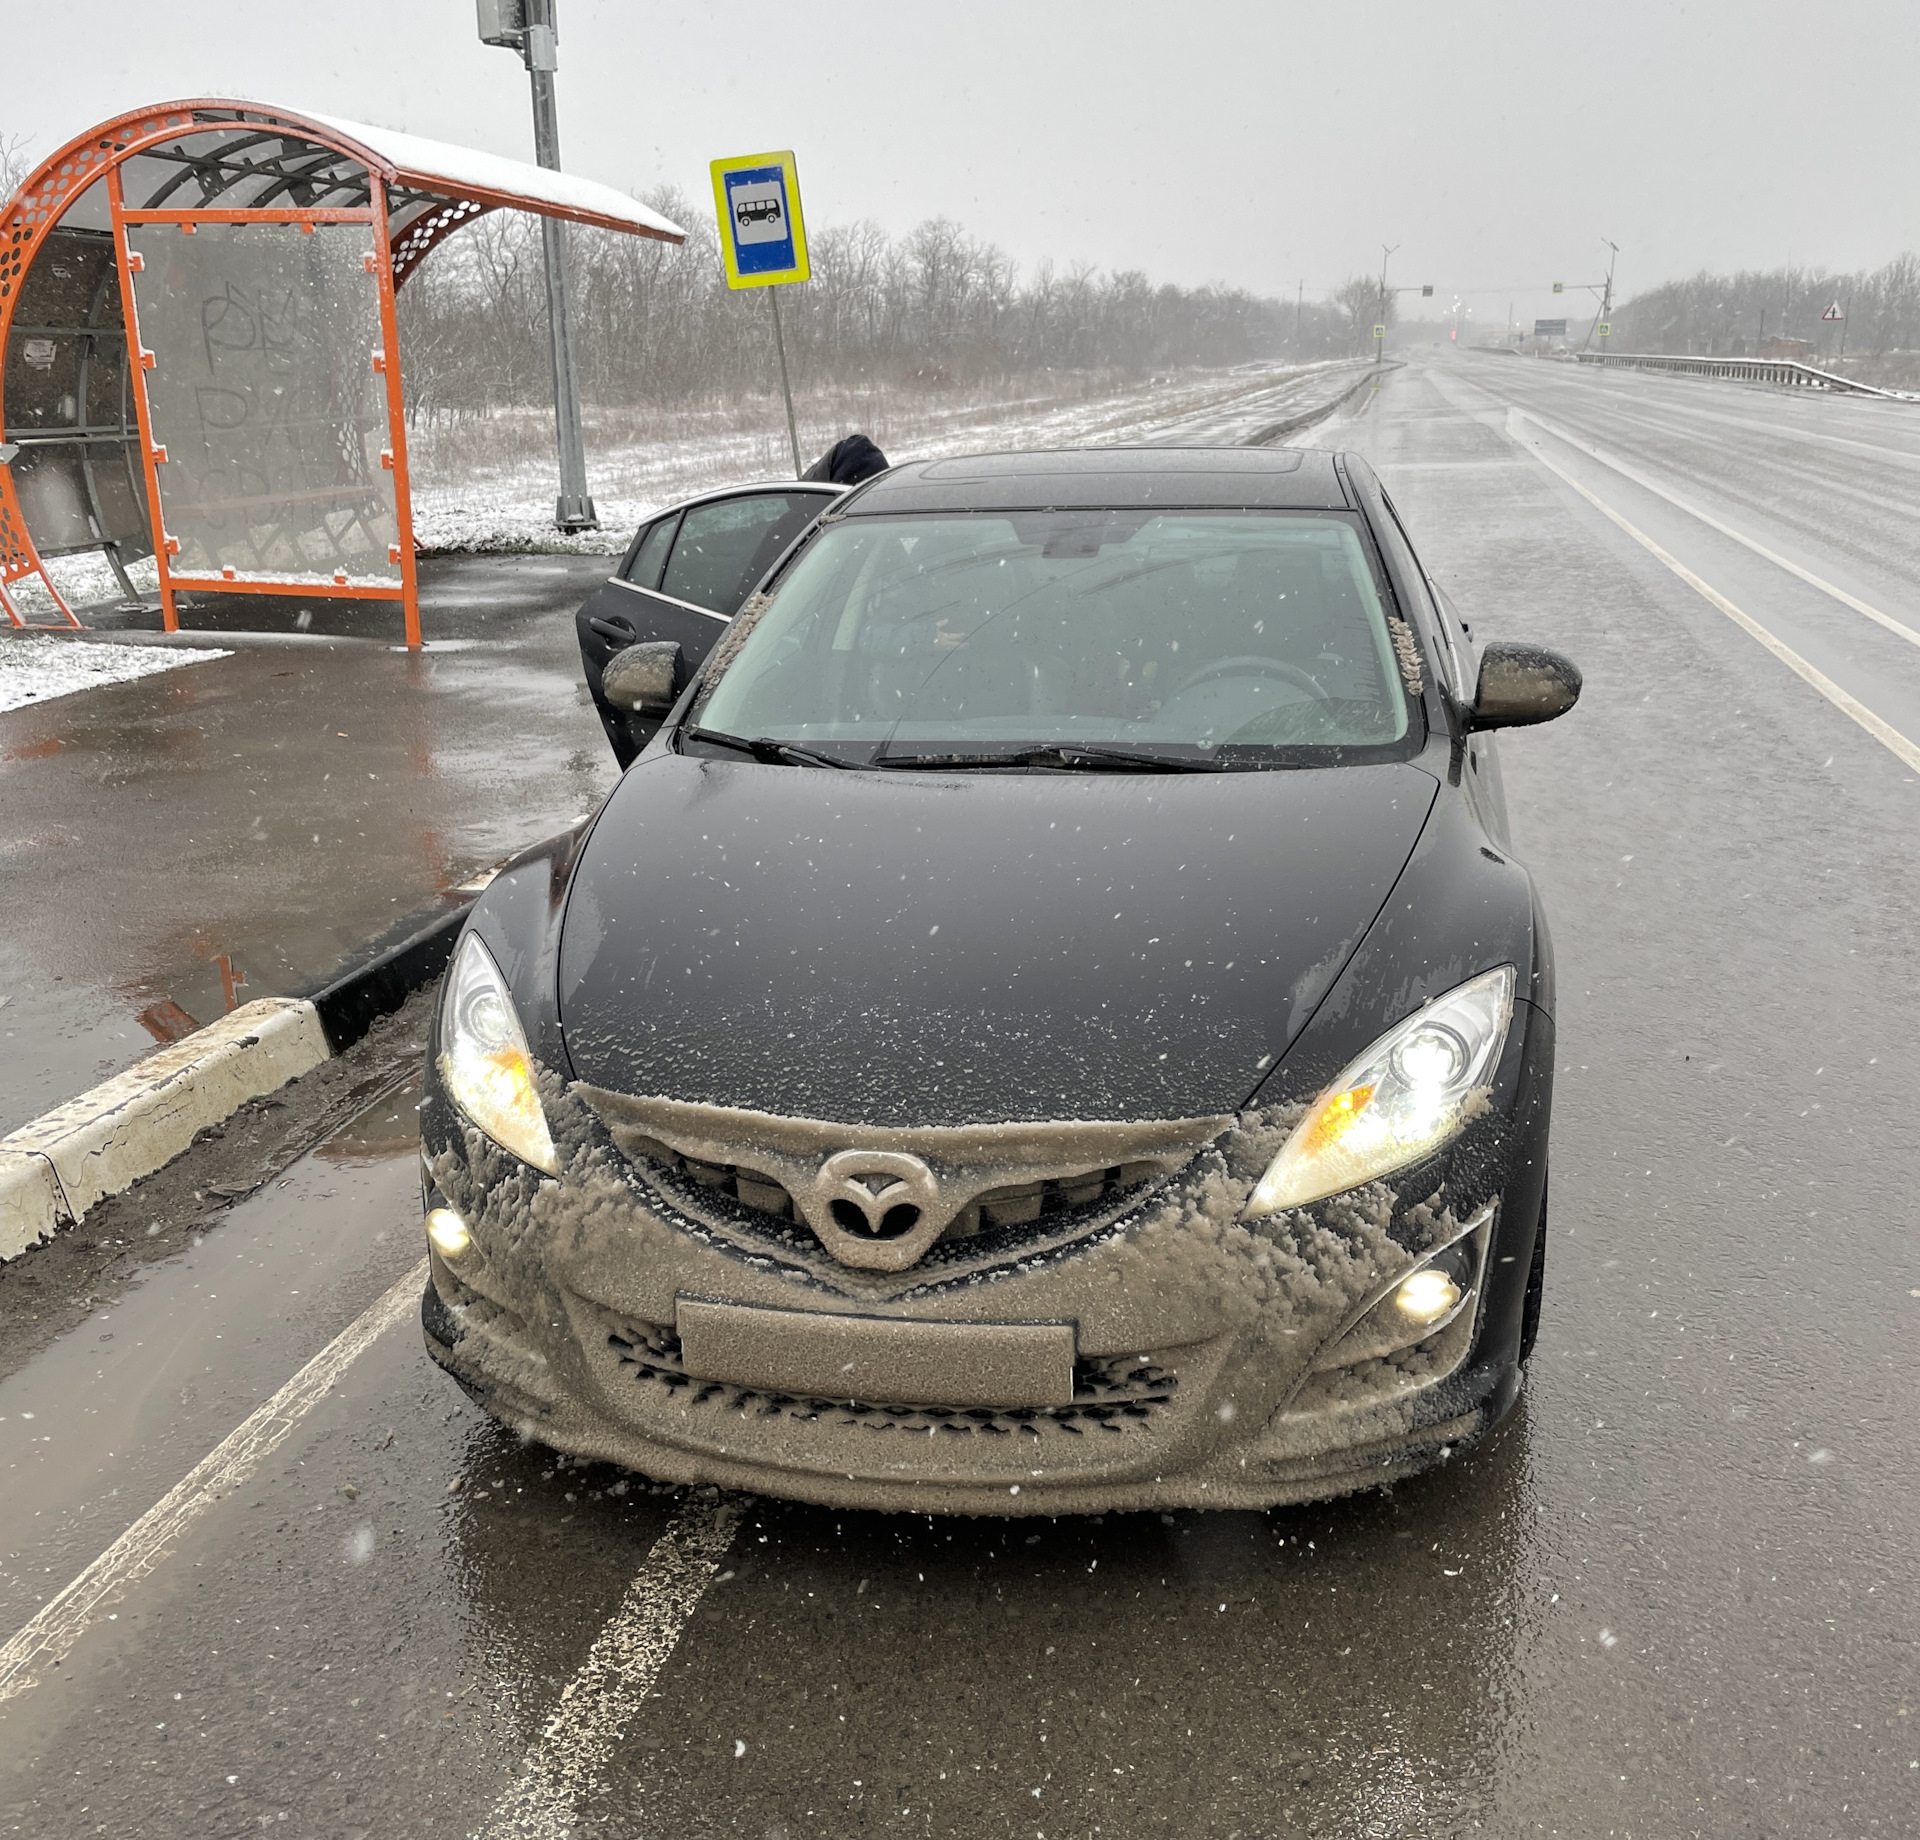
1606 297
1380 318
528 26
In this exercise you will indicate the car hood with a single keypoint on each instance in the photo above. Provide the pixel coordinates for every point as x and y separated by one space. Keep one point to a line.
915 948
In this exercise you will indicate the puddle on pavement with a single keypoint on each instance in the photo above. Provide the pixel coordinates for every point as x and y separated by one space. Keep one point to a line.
389 1127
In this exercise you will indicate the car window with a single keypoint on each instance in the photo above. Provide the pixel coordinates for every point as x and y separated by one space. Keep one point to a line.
724 548
650 553
1259 632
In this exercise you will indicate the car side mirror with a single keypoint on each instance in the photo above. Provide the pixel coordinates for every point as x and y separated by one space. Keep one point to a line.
1521 685
641 678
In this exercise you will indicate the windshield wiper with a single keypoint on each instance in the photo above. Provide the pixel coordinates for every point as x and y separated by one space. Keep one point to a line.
774 753
1059 754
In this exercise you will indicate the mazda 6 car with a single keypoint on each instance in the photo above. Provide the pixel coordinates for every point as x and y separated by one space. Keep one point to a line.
1051 1019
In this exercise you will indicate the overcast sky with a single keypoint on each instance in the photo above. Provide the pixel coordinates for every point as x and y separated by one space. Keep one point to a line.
1249 141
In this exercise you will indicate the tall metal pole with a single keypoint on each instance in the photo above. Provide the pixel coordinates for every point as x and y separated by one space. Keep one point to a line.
1299 299
1380 319
786 388
575 510
1605 316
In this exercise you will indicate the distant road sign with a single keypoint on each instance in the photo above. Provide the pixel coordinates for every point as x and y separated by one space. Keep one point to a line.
1605 329
1833 312
763 235
1379 332
1549 329
1559 287
1426 293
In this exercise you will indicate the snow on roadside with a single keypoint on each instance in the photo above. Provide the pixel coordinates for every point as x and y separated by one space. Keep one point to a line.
510 507
36 670
466 502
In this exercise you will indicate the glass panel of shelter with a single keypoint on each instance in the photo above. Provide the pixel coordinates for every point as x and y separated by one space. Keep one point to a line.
69 408
264 398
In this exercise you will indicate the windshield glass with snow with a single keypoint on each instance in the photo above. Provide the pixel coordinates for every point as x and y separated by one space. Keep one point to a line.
1233 638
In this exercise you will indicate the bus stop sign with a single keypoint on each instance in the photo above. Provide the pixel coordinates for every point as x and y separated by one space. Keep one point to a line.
763 236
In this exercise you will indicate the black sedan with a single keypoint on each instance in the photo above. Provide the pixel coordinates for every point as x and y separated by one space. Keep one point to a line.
1051 1021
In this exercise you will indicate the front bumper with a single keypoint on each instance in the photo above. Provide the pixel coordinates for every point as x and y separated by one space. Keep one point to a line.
1216 1362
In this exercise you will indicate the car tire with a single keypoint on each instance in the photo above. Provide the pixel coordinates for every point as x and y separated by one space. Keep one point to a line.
1536 1284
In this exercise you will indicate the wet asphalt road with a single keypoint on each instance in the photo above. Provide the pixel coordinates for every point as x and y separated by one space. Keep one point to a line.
202 837
1676 1594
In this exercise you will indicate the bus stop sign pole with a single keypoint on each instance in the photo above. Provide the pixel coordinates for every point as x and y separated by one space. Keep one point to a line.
786 387
763 242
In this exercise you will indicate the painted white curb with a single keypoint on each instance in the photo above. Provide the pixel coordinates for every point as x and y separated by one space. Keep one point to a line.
29 1201
54 1169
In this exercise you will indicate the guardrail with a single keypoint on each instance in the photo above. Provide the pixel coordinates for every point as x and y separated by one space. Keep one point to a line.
1788 371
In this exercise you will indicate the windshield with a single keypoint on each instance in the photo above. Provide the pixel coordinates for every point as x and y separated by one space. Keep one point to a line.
1178 633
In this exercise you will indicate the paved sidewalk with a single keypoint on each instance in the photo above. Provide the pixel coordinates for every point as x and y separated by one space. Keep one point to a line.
179 844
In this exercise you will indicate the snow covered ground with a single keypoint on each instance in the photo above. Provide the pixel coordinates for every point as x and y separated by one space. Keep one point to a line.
508 505
36 670
489 487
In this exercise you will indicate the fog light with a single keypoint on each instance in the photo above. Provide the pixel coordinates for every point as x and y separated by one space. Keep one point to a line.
1424 1297
448 1232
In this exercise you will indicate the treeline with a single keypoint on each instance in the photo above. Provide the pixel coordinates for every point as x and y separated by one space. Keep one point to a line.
1736 315
655 324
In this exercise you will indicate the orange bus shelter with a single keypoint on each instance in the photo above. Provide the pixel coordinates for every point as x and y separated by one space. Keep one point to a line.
201 355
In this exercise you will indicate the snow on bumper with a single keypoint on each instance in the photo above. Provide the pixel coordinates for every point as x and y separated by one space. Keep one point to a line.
1173 1355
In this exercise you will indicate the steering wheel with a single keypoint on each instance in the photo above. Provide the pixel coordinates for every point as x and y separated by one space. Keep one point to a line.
1253 666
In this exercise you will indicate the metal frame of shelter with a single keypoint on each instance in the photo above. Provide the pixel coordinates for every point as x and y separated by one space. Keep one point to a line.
289 469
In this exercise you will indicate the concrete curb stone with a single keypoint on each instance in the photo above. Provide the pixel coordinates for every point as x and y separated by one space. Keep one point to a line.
127 1127
54 1169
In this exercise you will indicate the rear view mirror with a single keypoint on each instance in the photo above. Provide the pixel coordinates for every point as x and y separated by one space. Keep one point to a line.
640 679
1521 685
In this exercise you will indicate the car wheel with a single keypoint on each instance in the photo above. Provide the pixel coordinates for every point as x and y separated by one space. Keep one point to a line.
1536 1284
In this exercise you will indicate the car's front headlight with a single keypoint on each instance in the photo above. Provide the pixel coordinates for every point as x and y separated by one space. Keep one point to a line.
484 1060
1401 1100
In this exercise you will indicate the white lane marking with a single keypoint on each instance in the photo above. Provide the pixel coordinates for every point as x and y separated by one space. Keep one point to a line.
1888 736
62 1620
1713 523
560 1769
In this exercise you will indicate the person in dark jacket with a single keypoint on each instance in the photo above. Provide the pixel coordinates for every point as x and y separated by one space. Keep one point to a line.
847 462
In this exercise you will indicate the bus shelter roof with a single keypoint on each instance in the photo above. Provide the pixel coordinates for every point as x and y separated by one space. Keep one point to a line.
439 167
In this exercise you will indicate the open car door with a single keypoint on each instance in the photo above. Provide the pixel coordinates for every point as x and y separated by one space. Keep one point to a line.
684 577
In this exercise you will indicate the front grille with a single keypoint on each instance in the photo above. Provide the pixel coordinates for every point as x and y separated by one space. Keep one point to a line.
1043 1204
1110 1397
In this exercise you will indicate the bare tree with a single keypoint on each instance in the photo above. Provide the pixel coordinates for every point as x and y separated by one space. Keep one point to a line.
14 166
1358 297
1735 314
658 327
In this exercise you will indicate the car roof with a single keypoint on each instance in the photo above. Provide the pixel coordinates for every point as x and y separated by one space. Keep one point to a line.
747 490
1110 478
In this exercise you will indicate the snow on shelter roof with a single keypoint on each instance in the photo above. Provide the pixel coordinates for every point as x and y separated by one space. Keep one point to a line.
488 178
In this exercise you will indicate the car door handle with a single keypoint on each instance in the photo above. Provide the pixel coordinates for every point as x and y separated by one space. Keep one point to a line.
614 629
